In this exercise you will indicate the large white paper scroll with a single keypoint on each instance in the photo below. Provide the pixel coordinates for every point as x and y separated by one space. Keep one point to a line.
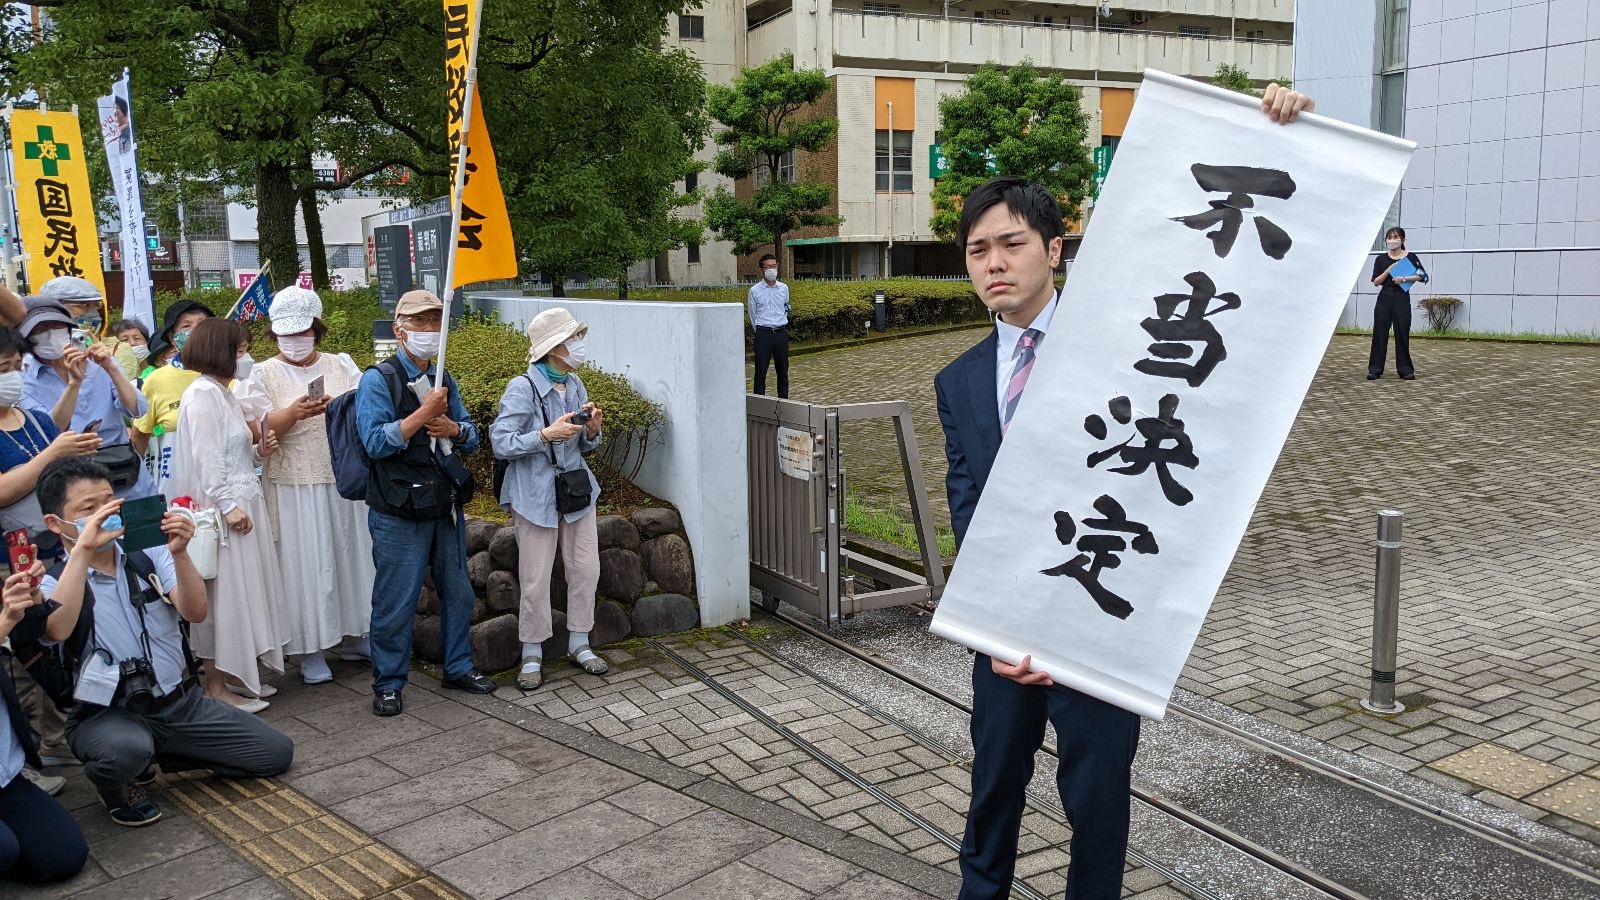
1205 192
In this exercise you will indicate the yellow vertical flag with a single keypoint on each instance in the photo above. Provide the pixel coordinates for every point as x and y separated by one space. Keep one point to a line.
484 250
54 207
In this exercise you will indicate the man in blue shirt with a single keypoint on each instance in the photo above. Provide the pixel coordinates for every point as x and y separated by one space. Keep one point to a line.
414 506
769 315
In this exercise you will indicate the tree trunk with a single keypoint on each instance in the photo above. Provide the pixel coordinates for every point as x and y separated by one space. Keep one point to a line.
558 285
275 202
316 248
622 285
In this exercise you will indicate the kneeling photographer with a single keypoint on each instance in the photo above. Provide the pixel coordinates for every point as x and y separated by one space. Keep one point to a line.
114 620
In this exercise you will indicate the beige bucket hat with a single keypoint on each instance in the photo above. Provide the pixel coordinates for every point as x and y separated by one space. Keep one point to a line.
550 329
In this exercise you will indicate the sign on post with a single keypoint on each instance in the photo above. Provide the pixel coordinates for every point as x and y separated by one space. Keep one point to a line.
1163 392
795 450
1102 167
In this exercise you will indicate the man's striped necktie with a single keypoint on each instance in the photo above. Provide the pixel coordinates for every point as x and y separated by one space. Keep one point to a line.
1027 345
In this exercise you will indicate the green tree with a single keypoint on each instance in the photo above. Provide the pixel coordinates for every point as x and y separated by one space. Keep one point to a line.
1012 122
1235 78
764 116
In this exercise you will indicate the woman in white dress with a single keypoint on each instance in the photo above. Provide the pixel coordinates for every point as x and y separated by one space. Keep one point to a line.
324 546
217 467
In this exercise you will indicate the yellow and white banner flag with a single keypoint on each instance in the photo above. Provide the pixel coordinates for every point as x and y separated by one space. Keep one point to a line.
55 210
484 250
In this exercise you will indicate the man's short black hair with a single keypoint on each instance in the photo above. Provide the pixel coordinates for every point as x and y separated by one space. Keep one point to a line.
764 257
63 474
1028 201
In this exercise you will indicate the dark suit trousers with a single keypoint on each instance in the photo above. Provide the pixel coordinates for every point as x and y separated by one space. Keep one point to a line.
772 346
1096 742
1396 312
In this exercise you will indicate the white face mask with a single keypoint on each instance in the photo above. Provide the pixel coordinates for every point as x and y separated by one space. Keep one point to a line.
10 388
297 347
770 274
1393 244
140 352
422 344
243 366
576 353
51 344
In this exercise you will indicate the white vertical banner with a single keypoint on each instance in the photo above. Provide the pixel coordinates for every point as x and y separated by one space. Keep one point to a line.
116 126
1221 253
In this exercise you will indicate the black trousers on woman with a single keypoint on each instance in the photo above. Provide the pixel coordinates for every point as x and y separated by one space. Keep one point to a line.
39 841
1393 310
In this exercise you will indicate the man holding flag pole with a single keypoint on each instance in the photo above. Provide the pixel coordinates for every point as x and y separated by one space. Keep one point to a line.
410 417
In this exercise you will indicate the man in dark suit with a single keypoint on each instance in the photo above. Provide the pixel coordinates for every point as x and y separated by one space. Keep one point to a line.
1011 235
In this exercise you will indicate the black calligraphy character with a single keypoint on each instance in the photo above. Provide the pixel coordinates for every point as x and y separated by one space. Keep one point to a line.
1156 430
1100 552
61 237
455 98
1240 182
1173 335
469 238
455 29
54 198
65 265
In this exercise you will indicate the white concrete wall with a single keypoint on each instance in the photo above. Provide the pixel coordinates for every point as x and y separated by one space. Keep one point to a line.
1336 44
1547 291
688 357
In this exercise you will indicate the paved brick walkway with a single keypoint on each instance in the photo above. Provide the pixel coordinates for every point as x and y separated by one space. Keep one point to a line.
470 797
1491 454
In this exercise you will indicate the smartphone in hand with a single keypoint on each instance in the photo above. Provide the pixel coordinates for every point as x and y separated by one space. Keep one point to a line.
141 523
316 388
23 552
93 427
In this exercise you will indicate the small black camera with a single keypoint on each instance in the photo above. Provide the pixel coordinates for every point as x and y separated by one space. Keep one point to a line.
582 417
138 685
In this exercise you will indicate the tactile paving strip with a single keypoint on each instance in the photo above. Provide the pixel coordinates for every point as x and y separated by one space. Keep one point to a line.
1502 770
300 843
1577 798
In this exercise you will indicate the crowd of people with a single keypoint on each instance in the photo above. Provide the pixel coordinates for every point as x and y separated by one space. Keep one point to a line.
132 658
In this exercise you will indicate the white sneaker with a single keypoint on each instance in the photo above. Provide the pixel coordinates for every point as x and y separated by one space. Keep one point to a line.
253 706
50 784
57 756
314 669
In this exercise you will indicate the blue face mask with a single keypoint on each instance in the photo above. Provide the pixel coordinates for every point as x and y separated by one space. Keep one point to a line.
113 523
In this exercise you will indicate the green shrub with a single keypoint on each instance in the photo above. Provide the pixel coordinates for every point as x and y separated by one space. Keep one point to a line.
835 309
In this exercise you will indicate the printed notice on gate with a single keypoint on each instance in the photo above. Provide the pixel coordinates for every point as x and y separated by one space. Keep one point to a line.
1163 392
794 453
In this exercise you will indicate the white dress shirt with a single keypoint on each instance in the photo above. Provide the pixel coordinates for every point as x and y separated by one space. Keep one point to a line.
1006 347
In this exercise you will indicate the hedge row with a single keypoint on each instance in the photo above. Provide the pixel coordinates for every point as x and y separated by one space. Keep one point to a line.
837 309
483 355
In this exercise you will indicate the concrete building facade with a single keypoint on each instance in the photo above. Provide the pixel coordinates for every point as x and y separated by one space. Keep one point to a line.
1502 199
892 62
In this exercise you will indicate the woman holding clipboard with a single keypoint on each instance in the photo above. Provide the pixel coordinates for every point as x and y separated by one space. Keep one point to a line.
1394 273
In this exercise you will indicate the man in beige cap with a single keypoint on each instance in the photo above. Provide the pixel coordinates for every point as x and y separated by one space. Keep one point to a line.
415 512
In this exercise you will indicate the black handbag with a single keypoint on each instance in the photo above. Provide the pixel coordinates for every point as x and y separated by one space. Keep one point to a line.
123 461
573 489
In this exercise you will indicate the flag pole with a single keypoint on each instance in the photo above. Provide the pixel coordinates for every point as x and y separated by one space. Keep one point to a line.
459 191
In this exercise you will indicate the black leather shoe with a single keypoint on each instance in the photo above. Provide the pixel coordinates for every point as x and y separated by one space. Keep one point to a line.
387 703
1372 377
1408 378
474 682
130 806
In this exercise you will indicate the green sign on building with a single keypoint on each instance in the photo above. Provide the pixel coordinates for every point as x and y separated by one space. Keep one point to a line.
938 166
1102 167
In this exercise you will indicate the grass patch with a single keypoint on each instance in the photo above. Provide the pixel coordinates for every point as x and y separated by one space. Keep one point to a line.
1530 337
889 526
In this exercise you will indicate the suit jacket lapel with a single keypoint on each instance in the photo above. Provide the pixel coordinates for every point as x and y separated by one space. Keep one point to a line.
984 396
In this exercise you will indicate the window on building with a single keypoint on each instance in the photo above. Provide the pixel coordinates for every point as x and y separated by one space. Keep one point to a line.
785 170
1044 20
690 182
694 252
692 28
206 220
1395 33
881 9
1392 104
893 163
1194 30
1256 34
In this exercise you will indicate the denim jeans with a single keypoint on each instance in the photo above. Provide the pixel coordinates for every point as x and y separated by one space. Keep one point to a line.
402 550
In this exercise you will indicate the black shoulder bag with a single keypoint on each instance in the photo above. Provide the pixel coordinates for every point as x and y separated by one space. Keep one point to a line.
573 489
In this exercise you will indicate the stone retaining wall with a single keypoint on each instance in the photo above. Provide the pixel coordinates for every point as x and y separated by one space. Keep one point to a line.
647 587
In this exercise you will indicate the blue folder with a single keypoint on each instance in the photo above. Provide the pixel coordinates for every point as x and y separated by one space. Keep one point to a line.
1401 269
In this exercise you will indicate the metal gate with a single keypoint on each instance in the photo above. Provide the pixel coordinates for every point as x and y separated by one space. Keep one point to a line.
797 510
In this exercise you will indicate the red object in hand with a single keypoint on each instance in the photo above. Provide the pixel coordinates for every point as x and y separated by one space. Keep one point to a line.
183 502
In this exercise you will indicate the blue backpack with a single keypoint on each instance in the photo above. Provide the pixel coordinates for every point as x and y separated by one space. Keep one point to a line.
350 461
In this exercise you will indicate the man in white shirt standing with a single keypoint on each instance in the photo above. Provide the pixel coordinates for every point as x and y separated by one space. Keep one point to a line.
769 315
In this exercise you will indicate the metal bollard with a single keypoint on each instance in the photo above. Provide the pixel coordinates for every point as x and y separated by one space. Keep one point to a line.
1386 615
880 311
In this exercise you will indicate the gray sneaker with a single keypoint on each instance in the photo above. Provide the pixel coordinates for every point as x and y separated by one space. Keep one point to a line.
50 784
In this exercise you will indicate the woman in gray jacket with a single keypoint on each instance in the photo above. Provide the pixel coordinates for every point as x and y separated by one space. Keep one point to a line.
546 424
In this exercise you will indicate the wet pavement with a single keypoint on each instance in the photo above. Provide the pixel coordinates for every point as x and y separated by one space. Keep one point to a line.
1491 453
